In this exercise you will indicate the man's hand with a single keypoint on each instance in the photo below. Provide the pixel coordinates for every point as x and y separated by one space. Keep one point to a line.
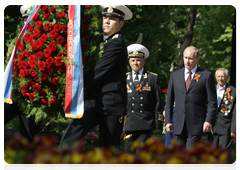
169 127
233 134
156 130
207 127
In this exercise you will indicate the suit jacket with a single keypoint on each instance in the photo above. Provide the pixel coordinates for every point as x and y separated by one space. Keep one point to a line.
108 78
226 114
194 106
144 108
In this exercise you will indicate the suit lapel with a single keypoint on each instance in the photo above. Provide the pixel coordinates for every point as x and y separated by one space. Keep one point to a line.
181 78
193 82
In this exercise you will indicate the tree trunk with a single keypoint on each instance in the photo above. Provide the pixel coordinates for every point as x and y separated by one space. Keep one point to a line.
188 36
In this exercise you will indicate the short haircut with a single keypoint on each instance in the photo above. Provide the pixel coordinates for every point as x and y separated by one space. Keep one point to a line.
222 69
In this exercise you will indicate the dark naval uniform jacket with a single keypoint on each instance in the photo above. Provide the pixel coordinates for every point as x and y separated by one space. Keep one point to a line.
226 113
144 109
108 78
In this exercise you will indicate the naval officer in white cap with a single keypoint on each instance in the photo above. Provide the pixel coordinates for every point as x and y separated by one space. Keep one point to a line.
107 82
144 107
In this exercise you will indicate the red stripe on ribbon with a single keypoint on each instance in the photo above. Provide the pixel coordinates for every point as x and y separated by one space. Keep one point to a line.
70 53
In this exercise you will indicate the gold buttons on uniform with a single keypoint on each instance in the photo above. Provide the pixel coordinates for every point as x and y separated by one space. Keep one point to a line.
132 104
132 111
132 97
140 111
141 104
141 97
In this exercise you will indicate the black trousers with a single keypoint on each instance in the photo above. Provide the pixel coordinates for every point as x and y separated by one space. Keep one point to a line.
28 127
110 128
187 139
141 136
224 141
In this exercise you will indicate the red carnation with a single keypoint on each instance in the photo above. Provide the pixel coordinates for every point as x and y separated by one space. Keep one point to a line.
36 33
32 96
22 73
32 57
33 63
39 44
44 102
84 47
50 68
20 56
30 83
45 8
85 37
36 79
26 36
30 38
39 55
21 47
39 24
26 72
53 101
57 27
24 93
58 61
42 65
44 37
50 60
36 87
64 28
33 45
32 72
52 45
27 53
61 15
60 54
53 34
30 28
24 87
43 93
84 17
53 9
60 40
62 68
35 18
55 81
46 15
25 64
47 52
88 6
87 25
44 76
47 26
59 101
164 91
82 30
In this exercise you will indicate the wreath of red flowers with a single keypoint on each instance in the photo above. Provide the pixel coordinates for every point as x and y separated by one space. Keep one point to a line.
40 64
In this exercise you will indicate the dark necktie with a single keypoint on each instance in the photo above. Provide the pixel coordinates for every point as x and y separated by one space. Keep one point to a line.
188 81
136 82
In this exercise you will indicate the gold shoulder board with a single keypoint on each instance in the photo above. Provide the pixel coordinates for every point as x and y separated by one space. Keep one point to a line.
152 73
115 36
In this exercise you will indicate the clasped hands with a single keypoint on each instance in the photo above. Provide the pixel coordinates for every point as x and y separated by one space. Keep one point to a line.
206 127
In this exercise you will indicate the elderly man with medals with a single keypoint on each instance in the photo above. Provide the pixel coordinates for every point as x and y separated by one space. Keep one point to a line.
144 107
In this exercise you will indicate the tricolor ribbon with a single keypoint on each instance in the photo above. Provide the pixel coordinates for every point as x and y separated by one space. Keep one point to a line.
9 71
74 96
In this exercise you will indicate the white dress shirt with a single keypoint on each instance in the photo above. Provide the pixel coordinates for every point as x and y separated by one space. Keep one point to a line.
220 93
187 74
139 74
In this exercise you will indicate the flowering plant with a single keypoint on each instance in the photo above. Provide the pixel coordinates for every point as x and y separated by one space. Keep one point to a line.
40 63
43 150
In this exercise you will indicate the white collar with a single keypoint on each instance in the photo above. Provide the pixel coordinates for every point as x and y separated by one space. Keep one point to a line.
140 72
221 88
193 70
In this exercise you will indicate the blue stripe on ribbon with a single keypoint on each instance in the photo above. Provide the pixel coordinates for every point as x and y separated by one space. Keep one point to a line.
76 60
8 88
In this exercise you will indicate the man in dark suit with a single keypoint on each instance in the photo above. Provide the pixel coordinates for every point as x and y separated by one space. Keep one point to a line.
195 99
107 82
144 107
225 127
